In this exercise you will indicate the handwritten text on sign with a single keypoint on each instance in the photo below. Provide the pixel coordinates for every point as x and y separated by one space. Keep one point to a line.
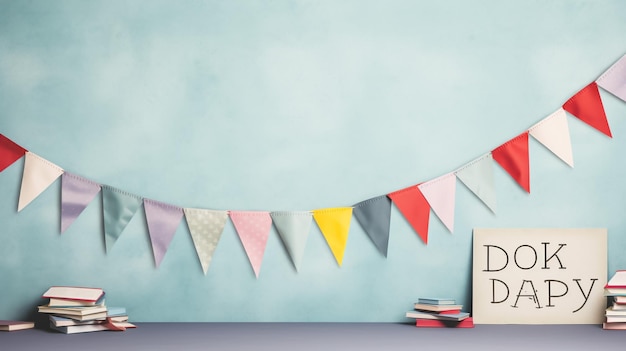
539 276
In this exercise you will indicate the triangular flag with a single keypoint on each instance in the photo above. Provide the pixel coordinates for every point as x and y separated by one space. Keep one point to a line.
293 229
513 157
205 227
334 223
440 194
553 133
415 209
37 177
587 106
9 152
614 79
478 177
118 208
253 228
163 220
76 193
374 215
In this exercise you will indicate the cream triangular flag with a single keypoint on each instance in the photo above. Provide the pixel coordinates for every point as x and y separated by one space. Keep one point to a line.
37 177
553 133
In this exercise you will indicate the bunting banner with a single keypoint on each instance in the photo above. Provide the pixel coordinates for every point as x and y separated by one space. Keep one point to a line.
205 227
513 157
441 194
374 216
613 79
553 133
163 220
76 193
334 223
118 208
9 152
293 228
253 228
37 177
415 209
587 106
478 178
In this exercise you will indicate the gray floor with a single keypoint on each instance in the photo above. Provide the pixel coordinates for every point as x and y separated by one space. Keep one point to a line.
321 336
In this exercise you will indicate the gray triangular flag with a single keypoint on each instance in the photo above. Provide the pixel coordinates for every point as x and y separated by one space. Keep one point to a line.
478 177
293 228
374 215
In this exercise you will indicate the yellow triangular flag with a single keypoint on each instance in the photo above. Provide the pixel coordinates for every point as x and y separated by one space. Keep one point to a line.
335 225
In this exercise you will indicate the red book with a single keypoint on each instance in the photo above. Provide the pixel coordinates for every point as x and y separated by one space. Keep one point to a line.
434 323
618 280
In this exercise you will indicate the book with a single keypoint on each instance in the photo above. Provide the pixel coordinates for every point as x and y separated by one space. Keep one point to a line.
613 312
614 326
615 292
59 321
15 325
87 328
616 319
437 308
73 311
434 323
57 302
618 280
429 315
619 299
74 293
436 301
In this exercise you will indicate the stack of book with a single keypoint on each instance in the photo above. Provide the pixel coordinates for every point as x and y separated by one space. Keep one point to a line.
74 309
439 313
615 291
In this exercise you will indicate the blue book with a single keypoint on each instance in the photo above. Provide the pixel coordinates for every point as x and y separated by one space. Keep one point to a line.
116 311
436 300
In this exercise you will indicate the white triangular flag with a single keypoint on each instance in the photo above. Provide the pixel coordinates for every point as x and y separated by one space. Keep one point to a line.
37 177
553 133
440 194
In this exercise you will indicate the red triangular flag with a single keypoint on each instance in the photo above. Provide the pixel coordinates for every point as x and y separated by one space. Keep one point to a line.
513 157
587 106
414 207
9 152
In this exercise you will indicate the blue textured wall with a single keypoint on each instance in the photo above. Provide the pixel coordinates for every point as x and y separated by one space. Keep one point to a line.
294 105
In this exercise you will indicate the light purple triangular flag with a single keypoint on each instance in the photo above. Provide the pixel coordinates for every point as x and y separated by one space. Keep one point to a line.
163 219
76 193
614 79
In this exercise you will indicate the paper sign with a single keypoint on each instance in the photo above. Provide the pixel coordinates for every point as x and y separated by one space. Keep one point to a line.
539 276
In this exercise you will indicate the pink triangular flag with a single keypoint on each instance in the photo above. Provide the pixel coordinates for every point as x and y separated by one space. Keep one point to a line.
253 228
440 194
163 220
37 177
553 133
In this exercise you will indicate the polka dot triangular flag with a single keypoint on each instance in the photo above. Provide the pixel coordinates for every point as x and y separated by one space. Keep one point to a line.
253 228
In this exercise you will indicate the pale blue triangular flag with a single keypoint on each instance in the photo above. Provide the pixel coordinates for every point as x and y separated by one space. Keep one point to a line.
478 177
293 228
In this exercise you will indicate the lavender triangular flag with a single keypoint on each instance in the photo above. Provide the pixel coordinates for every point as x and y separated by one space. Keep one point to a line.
118 208
76 193
205 227
293 228
163 219
374 216
614 79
